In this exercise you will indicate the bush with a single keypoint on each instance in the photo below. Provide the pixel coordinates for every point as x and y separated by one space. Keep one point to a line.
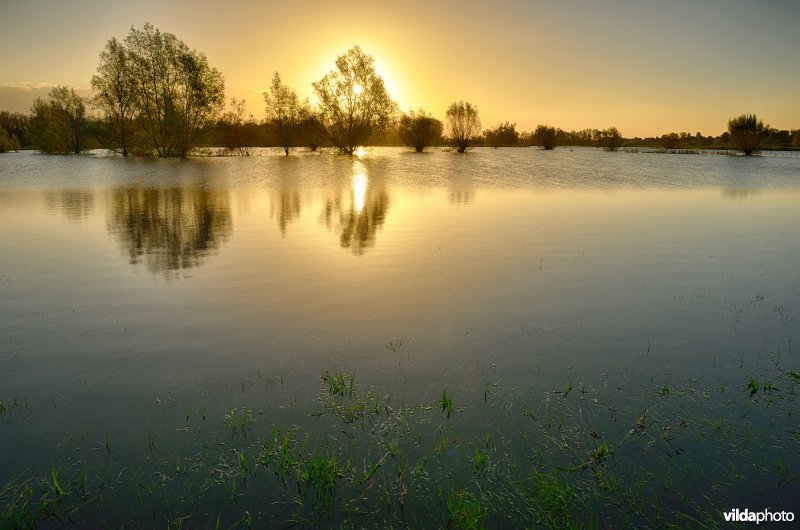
746 133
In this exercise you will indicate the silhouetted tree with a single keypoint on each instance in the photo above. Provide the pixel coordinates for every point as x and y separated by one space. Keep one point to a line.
504 135
353 102
6 142
58 125
670 141
310 135
240 130
747 132
545 136
796 138
419 130
177 92
284 112
610 139
115 94
463 124
16 126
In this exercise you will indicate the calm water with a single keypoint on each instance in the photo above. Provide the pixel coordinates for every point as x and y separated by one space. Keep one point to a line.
134 292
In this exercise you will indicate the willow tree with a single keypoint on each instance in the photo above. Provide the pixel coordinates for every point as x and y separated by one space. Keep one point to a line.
58 124
177 91
353 102
115 95
419 130
463 124
610 139
545 136
747 132
284 112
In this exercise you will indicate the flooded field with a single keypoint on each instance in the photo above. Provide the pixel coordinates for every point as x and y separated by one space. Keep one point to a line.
506 338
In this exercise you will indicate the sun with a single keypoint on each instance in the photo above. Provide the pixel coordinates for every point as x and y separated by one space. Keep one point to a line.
357 89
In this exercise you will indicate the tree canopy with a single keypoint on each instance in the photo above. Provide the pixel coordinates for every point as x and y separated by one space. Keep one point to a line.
353 102
58 124
155 89
747 132
419 130
463 124
284 111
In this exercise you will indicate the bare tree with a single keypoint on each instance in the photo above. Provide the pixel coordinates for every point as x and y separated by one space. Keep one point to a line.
419 130
284 111
353 102
463 124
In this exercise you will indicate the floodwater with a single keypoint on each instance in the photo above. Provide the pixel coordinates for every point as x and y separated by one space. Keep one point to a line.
130 286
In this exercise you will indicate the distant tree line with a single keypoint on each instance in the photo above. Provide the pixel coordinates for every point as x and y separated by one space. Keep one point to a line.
154 96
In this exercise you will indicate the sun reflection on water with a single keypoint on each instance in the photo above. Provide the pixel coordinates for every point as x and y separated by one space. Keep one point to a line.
359 189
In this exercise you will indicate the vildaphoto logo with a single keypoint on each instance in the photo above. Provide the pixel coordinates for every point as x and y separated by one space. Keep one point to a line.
765 516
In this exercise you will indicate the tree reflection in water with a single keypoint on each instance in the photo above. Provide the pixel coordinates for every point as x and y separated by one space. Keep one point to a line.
358 213
287 208
169 229
75 204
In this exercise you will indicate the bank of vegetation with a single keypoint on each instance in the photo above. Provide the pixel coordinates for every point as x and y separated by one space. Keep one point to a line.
155 96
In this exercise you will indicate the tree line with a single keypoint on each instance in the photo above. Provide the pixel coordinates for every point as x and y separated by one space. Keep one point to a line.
154 96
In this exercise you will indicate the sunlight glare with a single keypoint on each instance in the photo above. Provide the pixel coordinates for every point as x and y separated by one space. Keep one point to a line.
357 89
359 189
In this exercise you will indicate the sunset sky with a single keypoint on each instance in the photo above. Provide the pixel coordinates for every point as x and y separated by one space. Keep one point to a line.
647 67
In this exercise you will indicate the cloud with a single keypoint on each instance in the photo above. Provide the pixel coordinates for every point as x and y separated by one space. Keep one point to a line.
19 96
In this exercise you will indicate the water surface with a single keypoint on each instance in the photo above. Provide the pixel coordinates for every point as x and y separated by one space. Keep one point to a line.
130 285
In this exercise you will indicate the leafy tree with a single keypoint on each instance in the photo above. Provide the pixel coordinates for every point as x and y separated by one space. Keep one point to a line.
419 130
284 111
240 130
747 132
504 135
610 139
58 125
796 138
353 102
116 95
670 141
177 92
16 126
545 136
463 124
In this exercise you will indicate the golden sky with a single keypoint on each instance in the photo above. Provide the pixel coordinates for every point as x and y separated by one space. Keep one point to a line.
646 67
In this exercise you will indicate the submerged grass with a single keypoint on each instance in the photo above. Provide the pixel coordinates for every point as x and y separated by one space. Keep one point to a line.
610 452
366 462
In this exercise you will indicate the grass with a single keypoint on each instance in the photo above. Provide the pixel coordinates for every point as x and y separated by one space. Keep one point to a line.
608 454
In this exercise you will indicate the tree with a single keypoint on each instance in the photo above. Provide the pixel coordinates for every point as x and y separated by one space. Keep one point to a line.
419 130
16 126
463 124
670 141
353 102
58 125
177 92
545 136
610 139
240 130
504 135
747 132
284 112
115 95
